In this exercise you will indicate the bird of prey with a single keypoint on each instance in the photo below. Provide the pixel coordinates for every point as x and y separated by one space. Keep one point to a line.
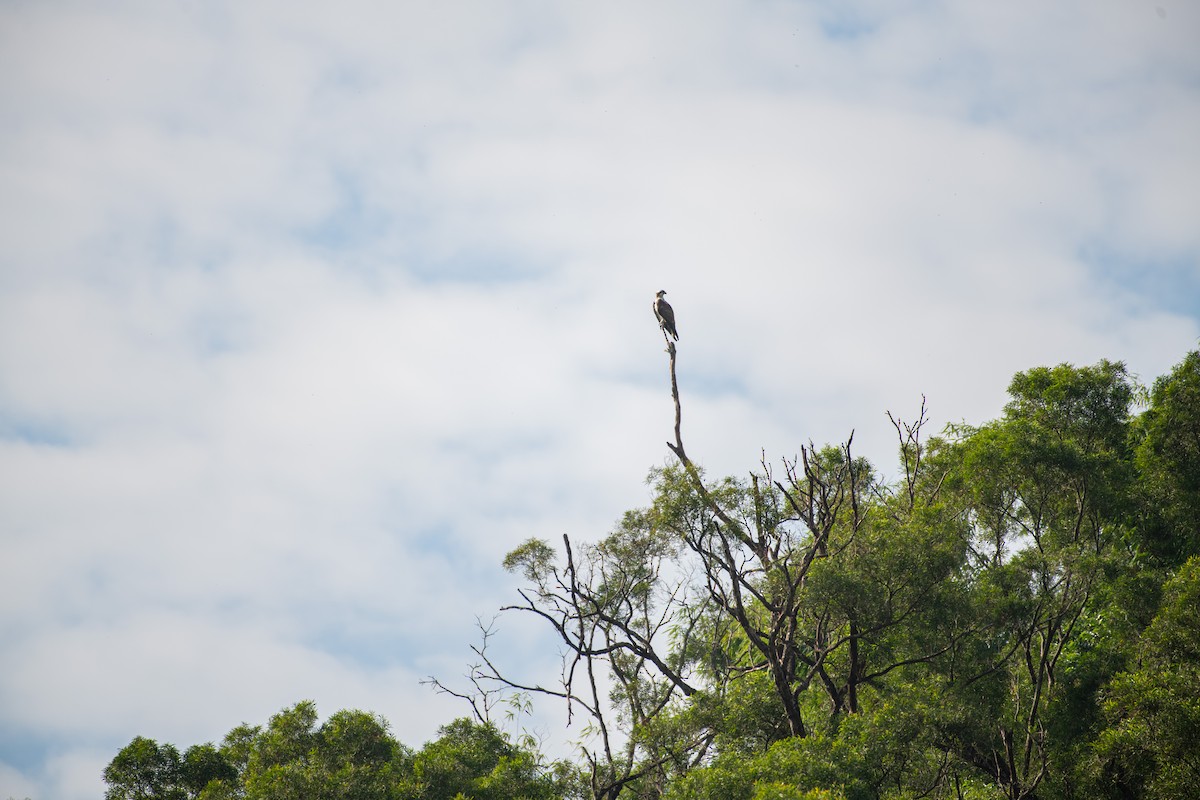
665 314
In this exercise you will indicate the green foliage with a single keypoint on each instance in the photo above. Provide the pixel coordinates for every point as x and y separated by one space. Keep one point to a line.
888 751
782 791
203 766
144 770
818 762
1154 708
1168 459
1047 490
533 559
479 762
349 757
747 718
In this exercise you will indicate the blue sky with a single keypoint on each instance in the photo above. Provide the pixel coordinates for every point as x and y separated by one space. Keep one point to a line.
310 314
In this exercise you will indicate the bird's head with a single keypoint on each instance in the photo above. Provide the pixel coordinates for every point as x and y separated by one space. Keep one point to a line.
661 292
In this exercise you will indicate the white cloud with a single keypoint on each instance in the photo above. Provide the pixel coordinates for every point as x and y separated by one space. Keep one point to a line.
15 783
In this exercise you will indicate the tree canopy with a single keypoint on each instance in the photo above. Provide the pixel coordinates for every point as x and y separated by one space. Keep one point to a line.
351 756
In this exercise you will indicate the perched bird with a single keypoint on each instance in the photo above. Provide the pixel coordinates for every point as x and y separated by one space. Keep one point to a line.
665 314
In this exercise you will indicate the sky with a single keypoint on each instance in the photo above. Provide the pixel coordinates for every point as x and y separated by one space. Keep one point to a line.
311 312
